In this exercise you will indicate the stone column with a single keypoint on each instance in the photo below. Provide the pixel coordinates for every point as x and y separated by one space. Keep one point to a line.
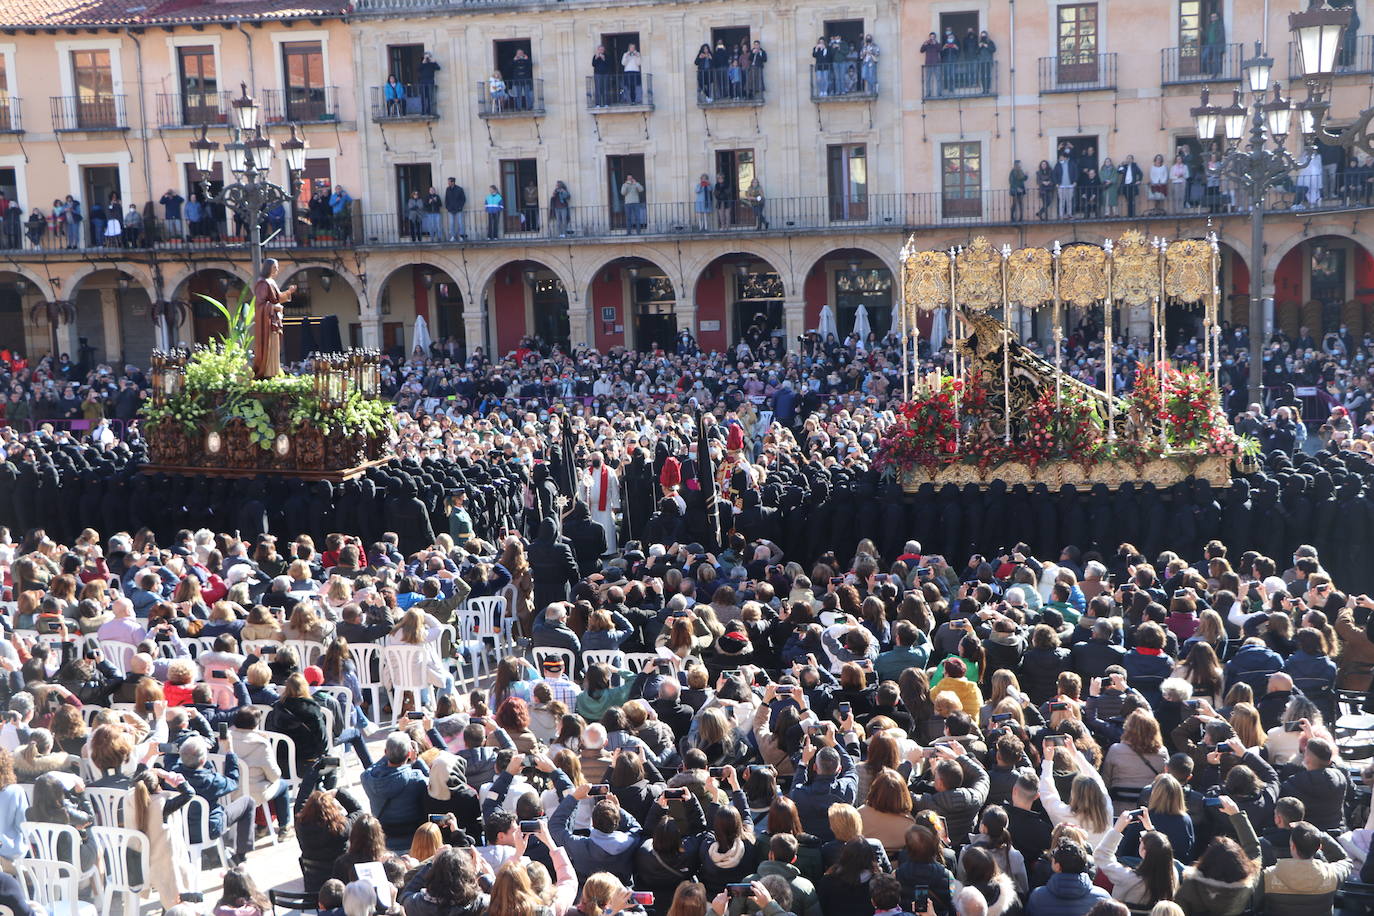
474 329
579 320
110 319
686 313
794 321
371 319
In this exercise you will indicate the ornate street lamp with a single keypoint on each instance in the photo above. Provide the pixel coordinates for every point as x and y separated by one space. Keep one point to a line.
249 153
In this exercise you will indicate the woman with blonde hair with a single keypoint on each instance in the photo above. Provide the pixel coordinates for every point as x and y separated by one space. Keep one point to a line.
847 824
338 591
516 892
1139 756
1245 720
570 762
602 895
147 809
1003 685
306 623
425 845
415 629
1089 807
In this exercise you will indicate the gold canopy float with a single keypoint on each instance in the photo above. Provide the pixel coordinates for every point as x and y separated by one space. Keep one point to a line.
1003 412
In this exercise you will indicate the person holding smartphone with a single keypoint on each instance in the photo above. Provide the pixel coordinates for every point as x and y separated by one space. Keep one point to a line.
259 768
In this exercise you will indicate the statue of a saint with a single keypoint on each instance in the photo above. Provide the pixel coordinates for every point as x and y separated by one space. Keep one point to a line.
267 320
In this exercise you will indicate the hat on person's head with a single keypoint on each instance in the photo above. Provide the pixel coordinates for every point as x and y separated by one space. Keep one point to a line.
551 664
240 572
313 675
734 441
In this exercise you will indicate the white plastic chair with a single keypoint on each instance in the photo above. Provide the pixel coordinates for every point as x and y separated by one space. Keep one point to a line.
198 644
307 650
495 623
254 646
613 657
469 644
46 840
639 661
118 653
365 655
344 697
567 655
115 847
54 886
199 844
108 805
508 619
406 670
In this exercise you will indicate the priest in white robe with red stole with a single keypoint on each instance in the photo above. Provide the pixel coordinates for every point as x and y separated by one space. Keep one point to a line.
601 492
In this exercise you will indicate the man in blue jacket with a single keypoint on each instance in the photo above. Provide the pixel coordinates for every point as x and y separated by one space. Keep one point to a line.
834 780
615 836
209 784
1253 663
340 205
396 787
1070 892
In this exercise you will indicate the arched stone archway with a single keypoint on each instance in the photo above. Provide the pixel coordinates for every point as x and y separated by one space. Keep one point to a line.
740 295
20 290
844 279
529 298
635 303
422 289
1320 283
114 321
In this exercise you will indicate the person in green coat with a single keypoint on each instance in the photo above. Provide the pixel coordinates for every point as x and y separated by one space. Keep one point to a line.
604 687
1111 187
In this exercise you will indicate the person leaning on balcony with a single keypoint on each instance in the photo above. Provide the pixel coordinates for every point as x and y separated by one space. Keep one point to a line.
1131 177
434 205
560 210
702 198
171 214
1111 187
703 64
395 96
755 197
820 59
1065 181
494 205
425 73
522 80
630 63
1016 184
415 215
455 199
37 224
930 53
341 213
987 50
601 77
1044 186
1178 184
757 59
868 65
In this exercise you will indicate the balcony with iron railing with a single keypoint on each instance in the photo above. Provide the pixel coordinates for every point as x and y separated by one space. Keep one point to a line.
960 79
405 102
300 105
89 112
1354 58
729 88
845 214
899 213
621 91
1200 64
1077 71
10 120
511 99
192 109
843 82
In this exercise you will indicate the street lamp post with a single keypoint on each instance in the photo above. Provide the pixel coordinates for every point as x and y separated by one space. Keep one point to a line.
249 153
1265 161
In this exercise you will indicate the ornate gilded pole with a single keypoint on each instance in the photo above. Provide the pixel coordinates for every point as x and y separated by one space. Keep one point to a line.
905 330
1058 329
954 343
1109 308
1160 360
1006 350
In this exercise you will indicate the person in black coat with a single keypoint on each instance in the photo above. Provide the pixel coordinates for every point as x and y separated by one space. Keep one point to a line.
1043 512
406 515
665 526
321 509
588 539
552 564
894 526
951 522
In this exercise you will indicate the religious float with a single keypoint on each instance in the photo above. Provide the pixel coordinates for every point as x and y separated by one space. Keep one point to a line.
1003 412
226 410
